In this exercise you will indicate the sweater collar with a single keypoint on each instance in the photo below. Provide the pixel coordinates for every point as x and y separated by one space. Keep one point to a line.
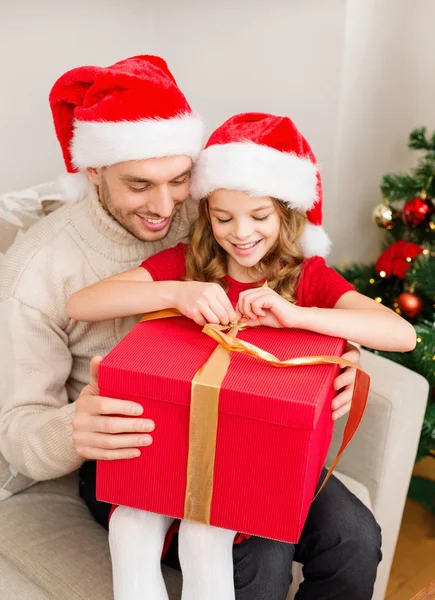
101 232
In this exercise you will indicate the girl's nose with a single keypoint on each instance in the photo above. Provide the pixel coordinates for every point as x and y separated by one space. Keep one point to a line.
243 230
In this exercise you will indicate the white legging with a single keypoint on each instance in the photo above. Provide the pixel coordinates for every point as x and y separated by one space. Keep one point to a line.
136 539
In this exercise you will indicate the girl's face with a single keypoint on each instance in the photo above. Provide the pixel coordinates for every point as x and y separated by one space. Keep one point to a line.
245 226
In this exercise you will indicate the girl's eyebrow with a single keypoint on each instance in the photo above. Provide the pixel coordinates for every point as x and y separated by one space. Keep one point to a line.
262 207
218 209
253 210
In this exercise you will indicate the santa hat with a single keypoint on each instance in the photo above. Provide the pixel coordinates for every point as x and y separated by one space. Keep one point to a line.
131 110
265 155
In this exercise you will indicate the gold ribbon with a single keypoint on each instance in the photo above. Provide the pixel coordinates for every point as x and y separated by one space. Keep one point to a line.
204 404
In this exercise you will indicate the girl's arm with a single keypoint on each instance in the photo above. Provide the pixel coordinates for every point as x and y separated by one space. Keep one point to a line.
360 319
130 293
134 292
354 317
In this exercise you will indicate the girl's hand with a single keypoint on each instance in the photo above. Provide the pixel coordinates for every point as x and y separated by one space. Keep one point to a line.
263 306
204 303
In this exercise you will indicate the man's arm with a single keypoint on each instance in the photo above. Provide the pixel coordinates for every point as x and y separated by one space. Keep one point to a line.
35 417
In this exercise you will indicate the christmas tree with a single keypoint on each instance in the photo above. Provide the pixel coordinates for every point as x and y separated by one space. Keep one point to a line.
403 277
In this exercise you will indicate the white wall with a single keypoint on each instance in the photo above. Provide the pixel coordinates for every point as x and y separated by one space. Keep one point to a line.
387 89
341 69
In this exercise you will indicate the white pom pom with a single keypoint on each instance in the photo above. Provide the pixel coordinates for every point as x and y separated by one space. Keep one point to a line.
73 186
314 241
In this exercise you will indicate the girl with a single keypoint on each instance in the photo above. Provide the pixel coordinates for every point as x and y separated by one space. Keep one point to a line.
260 202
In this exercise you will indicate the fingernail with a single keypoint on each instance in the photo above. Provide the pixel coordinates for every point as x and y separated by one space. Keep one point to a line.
146 440
137 410
147 426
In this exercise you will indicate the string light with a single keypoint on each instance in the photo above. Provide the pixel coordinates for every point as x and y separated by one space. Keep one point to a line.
371 280
408 259
378 299
425 251
419 340
432 225
382 274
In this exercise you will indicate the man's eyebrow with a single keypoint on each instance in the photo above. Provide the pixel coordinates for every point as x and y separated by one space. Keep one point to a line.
183 174
135 179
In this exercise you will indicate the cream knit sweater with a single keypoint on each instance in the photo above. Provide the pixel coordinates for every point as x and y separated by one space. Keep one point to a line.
44 356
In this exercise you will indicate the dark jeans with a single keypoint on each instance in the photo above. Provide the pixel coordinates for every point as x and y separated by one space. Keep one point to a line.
340 549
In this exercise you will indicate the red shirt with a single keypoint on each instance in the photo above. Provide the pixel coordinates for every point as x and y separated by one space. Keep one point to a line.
319 285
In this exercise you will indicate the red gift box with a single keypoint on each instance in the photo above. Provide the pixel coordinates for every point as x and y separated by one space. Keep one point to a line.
274 425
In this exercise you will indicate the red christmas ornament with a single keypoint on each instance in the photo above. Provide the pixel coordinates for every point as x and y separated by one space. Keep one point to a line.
397 259
410 304
416 211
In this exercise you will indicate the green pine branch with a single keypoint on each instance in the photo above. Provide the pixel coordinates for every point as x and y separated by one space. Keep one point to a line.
359 275
427 440
419 141
423 236
397 189
424 352
422 276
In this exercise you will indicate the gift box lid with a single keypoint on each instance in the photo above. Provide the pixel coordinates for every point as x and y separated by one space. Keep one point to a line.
158 360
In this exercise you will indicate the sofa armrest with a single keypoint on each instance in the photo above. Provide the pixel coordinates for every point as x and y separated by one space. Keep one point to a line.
382 453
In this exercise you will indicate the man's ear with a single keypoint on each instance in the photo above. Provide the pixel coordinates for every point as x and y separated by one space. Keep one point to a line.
94 175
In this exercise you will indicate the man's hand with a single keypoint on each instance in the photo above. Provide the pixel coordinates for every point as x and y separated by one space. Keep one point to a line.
98 434
345 383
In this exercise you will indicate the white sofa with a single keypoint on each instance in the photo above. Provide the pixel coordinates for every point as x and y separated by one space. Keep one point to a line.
51 549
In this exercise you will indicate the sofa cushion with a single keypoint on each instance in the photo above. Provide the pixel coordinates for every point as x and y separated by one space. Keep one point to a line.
19 211
51 547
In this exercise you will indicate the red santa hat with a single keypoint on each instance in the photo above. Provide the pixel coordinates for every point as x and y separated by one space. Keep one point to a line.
265 155
131 110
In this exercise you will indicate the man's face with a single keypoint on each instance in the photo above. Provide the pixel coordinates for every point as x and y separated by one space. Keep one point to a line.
144 195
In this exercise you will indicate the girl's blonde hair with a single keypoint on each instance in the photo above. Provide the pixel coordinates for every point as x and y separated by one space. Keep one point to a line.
206 260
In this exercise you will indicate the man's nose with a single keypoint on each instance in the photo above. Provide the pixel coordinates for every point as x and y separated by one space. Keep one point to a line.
162 203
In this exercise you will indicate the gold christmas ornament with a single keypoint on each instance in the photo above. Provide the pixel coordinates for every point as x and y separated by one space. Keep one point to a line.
382 216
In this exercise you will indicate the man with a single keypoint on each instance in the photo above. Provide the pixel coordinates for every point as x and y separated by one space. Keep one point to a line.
128 138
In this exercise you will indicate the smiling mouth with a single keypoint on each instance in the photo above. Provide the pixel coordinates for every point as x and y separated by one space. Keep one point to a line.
154 220
247 245
153 223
